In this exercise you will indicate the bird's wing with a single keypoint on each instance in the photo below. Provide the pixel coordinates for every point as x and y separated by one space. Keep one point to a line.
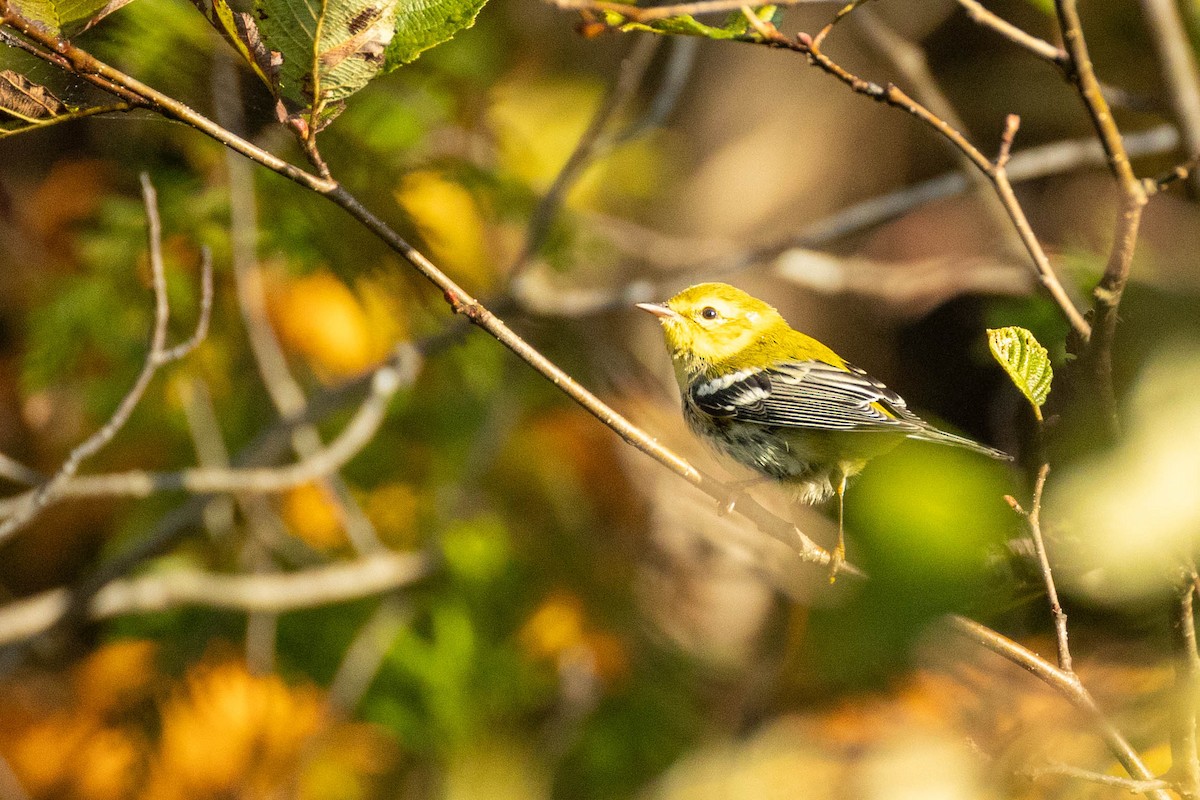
805 394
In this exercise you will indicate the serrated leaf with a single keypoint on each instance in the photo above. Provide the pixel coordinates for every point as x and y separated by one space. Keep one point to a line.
1026 362
422 24
65 17
329 48
26 100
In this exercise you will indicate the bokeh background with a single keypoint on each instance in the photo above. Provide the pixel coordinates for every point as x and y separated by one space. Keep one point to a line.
592 628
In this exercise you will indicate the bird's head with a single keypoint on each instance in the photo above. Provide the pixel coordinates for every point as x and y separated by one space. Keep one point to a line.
712 322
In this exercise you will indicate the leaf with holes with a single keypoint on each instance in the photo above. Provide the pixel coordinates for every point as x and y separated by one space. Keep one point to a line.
329 49
64 17
1026 362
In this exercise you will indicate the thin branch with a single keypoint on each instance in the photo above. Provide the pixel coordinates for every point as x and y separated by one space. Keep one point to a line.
15 471
1099 778
1179 172
37 124
277 593
1184 736
1033 519
359 431
1068 685
908 58
366 654
1108 292
1178 62
157 357
893 96
1039 47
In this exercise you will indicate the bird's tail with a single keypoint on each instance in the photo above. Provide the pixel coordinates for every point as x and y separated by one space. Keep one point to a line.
937 436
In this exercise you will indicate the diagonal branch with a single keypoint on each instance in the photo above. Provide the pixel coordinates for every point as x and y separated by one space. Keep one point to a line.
459 300
1069 686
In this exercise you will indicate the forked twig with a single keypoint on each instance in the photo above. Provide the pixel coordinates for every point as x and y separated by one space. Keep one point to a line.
158 356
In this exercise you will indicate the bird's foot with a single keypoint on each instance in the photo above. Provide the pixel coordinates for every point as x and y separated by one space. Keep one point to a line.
836 559
735 491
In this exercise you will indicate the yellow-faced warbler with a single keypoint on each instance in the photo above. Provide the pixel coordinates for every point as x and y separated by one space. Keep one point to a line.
781 402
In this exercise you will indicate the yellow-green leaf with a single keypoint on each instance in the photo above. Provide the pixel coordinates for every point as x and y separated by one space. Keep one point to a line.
330 48
1026 362
65 17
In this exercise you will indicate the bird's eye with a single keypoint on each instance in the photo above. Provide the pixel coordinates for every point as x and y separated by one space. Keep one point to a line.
708 312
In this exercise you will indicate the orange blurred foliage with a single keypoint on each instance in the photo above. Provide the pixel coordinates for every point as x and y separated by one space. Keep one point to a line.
319 318
219 732
311 514
558 632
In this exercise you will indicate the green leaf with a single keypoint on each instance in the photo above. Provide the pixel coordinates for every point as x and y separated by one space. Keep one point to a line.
1044 6
329 48
1026 362
65 17
422 24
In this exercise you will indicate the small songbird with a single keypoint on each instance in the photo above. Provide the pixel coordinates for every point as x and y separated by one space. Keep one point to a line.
780 402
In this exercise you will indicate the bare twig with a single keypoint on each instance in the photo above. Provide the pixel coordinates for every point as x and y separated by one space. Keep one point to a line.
909 60
1133 197
1033 518
366 654
1177 173
1099 778
1068 685
15 471
277 593
68 116
158 356
1039 47
385 382
1184 736
893 96
1170 39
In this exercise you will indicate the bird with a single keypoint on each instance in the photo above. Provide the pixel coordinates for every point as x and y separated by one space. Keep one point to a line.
781 402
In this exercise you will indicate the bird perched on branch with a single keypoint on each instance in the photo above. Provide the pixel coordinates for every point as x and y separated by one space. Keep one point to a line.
780 402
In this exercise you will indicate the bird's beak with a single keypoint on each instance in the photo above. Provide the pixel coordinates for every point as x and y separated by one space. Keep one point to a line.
659 310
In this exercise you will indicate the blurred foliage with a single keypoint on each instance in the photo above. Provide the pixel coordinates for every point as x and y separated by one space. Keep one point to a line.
529 664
